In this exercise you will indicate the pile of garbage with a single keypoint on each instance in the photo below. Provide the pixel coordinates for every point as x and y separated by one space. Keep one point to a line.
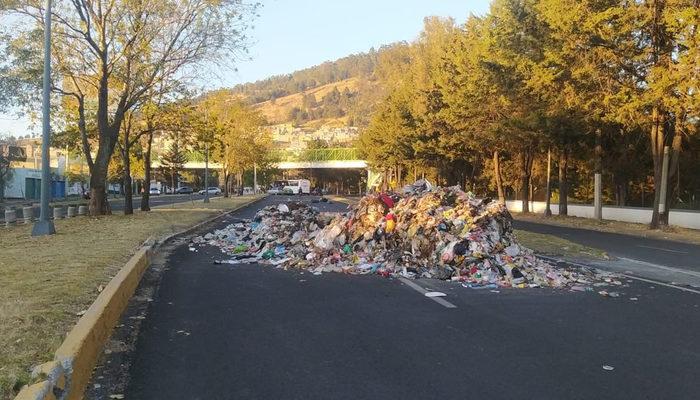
441 233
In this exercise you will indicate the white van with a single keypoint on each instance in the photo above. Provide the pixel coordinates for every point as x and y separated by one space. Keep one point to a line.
297 186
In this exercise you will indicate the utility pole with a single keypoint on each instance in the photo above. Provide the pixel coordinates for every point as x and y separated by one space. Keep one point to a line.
548 208
598 178
255 178
45 226
664 181
67 170
206 174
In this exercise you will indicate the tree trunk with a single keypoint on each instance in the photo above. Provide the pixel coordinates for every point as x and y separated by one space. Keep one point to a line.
621 189
657 151
126 173
126 181
676 146
226 175
172 180
146 196
98 204
499 179
563 182
398 176
526 157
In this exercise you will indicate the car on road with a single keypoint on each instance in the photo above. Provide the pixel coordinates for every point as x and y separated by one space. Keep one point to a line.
184 190
275 190
211 190
154 191
297 186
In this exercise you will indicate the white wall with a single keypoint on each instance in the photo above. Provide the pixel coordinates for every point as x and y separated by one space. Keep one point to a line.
15 188
685 219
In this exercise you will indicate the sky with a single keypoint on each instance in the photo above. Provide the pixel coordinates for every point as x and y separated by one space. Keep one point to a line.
294 34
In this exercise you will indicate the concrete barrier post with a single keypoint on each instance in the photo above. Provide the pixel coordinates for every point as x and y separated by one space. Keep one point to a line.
71 212
57 213
10 217
82 210
28 214
598 197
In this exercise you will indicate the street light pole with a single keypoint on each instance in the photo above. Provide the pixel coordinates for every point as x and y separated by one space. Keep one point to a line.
255 178
548 207
206 174
45 226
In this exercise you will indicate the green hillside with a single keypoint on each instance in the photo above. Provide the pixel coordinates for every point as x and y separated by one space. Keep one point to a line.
336 93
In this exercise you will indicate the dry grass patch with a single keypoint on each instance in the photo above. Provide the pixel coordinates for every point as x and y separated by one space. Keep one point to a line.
556 246
278 111
45 282
627 228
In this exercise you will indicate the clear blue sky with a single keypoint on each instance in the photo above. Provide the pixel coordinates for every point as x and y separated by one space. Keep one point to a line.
295 34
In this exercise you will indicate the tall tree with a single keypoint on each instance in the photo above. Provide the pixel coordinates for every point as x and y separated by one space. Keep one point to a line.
630 61
237 132
110 53
173 159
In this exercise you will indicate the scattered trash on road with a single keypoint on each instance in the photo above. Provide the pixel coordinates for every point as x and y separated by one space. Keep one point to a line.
425 232
608 367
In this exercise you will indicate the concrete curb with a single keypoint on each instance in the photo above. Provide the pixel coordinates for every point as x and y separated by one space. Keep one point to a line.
66 377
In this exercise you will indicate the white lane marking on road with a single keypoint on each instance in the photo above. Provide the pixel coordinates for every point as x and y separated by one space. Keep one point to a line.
423 291
661 283
662 249
685 289
663 267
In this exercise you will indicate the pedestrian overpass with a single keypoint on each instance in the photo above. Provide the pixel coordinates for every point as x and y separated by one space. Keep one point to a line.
332 158
289 159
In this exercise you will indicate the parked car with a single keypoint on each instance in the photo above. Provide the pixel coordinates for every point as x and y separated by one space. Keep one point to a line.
211 190
275 190
184 190
154 191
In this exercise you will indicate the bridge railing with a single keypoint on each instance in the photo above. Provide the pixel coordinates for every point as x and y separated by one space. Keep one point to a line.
317 155
305 155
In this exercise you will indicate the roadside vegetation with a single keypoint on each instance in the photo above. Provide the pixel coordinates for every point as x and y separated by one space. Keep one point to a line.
45 282
602 86
627 228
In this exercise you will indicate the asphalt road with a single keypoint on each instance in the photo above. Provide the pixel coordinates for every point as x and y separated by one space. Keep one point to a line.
667 253
255 332
161 200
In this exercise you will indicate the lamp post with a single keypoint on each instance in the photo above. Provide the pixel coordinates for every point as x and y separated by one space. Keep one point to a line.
206 174
255 178
45 226
548 207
